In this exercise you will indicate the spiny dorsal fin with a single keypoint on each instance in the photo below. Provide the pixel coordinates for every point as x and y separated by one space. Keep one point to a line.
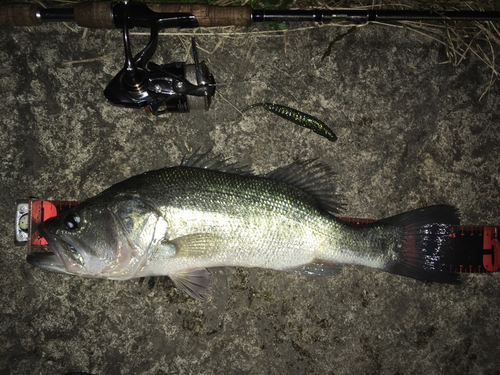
315 178
216 163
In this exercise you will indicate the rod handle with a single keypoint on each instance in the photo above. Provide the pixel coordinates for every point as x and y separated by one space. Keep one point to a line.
210 15
95 15
19 15
99 15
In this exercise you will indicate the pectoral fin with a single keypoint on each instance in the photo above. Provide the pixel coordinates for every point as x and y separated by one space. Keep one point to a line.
195 283
197 245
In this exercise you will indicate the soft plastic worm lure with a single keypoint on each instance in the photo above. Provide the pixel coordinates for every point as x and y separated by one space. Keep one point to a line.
300 118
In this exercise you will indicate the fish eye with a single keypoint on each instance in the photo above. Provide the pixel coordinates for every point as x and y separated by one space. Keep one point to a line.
72 221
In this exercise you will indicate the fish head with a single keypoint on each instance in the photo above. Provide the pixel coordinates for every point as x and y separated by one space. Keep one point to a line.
103 239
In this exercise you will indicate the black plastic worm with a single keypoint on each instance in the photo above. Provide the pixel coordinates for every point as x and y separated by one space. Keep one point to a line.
298 117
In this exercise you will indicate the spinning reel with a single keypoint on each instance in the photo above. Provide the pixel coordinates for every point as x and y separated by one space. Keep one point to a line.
167 88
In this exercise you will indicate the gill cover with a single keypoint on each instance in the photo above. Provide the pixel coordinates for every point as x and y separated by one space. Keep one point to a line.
102 238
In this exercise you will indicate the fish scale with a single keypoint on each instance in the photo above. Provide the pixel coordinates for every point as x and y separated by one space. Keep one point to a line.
257 209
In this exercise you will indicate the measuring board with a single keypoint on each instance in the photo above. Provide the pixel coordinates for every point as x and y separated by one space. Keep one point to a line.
478 248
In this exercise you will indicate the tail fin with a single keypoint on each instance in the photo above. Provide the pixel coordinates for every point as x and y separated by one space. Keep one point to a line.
425 252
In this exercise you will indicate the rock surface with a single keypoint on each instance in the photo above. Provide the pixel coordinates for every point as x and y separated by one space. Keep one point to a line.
412 132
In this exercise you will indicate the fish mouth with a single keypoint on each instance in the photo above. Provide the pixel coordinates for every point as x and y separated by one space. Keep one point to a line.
63 257
47 261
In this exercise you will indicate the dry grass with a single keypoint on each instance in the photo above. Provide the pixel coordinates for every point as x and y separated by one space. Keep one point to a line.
462 40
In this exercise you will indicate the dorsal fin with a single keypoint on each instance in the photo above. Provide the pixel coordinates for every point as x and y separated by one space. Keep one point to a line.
310 176
313 177
216 163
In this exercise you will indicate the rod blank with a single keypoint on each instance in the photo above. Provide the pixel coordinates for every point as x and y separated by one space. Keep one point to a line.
370 15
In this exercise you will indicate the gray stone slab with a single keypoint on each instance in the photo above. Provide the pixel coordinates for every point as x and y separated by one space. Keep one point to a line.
412 133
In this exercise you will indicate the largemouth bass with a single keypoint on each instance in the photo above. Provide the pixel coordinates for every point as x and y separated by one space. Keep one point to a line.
179 221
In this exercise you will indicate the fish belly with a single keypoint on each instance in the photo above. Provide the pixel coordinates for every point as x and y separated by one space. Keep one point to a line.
248 240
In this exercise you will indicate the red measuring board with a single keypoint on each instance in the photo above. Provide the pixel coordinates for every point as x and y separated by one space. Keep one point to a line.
41 210
478 247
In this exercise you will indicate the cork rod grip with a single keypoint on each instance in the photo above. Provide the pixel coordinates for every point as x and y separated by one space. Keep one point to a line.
19 15
210 15
99 15
94 15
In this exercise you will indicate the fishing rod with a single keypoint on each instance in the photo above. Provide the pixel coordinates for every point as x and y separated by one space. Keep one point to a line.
181 87
108 15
